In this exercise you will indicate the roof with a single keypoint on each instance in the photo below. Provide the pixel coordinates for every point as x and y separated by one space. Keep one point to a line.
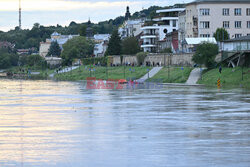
196 41
219 1
102 37
244 38
170 10
55 34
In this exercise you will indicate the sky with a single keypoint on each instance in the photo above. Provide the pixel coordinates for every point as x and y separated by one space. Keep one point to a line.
62 12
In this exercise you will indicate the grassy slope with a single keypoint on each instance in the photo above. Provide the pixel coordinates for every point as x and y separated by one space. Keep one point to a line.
100 73
176 75
229 78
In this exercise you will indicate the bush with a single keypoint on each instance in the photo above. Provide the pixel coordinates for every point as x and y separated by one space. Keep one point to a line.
130 46
166 50
88 61
205 54
141 57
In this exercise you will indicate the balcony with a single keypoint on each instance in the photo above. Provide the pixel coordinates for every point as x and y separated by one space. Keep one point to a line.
195 30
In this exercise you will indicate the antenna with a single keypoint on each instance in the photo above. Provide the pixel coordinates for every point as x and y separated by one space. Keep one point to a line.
20 15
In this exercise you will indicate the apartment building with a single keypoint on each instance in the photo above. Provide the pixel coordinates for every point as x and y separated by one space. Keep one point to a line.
153 33
203 17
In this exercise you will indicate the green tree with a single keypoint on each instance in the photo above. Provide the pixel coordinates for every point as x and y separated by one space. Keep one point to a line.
205 54
114 46
54 49
7 59
221 34
35 60
78 47
130 46
82 30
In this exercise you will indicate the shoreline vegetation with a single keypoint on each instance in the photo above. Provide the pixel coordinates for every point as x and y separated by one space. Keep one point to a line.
230 77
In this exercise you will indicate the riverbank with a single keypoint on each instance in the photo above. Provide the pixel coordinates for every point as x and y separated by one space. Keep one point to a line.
27 73
172 75
83 72
230 77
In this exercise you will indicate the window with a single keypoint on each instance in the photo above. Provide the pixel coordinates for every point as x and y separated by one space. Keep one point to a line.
248 24
238 24
248 11
237 11
204 12
204 35
225 12
238 35
248 34
205 24
174 23
225 24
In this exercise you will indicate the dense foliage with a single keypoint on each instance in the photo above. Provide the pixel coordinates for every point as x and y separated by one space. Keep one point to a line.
114 46
205 54
7 59
77 48
221 34
130 46
54 49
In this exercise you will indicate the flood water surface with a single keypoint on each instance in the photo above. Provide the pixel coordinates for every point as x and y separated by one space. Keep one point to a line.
47 123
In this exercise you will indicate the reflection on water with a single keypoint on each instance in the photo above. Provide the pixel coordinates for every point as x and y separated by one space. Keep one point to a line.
46 123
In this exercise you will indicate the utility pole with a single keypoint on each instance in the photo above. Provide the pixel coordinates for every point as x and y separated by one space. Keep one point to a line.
20 15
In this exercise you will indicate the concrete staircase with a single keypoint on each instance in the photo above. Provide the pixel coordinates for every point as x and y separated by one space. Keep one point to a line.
150 74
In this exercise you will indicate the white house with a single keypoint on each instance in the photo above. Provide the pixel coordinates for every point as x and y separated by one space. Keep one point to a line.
237 44
61 39
101 45
166 22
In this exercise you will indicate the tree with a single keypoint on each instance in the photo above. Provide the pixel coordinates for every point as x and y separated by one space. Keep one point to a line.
114 46
130 46
7 59
35 60
205 54
54 49
221 34
78 47
82 30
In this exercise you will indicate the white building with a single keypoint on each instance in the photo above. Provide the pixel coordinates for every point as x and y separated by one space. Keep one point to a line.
237 44
131 28
203 17
61 39
101 45
166 22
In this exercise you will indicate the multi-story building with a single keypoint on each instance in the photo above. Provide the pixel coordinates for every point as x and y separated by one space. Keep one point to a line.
203 17
166 22
131 28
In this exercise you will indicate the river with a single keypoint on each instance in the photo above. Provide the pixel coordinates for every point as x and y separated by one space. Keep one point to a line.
49 123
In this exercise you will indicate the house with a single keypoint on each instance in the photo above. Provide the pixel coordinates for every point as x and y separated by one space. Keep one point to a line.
131 28
190 44
6 45
156 30
236 44
101 45
203 17
172 41
60 39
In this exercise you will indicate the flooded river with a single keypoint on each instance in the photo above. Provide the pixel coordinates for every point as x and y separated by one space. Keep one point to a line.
47 123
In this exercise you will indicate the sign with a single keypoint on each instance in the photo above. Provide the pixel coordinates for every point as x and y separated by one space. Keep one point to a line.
147 69
218 83
182 68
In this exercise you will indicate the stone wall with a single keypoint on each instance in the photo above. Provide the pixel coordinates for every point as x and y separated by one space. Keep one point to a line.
162 59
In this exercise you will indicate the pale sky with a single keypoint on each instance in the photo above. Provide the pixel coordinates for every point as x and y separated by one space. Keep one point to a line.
53 12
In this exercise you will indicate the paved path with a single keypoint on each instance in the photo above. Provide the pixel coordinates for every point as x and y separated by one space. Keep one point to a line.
150 74
67 69
194 76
